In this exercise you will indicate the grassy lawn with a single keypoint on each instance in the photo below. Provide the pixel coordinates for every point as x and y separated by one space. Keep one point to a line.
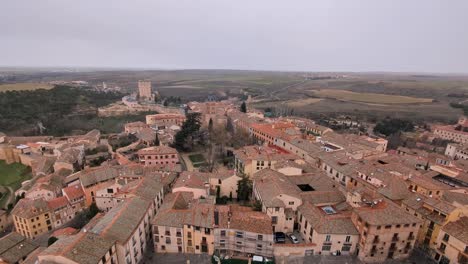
13 174
196 158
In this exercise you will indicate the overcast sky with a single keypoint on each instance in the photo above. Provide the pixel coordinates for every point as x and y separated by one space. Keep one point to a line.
305 35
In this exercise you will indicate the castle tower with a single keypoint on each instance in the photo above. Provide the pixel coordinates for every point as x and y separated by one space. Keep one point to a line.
144 91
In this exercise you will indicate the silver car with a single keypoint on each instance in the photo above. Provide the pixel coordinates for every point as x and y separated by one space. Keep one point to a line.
293 239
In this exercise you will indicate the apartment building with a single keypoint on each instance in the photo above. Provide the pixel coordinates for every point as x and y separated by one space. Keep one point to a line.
338 167
242 232
303 148
168 224
457 151
279 197
452 243
270 133
165 120
128 224
329 228
158 155
184 225
32 217
317 130
386 230
135 127
84 247
195 182
457 133
251 159
434 214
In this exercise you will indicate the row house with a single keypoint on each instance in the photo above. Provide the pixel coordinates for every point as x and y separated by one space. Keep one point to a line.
165 120
135 127
184 225
279 198
128 224
240 231
386 230
452 243
158 155
251 159
33 217
434 214
84 247
457 151
204 184
330 229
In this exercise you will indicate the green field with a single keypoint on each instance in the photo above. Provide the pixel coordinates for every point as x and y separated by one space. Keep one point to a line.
13 174
24 86
372 98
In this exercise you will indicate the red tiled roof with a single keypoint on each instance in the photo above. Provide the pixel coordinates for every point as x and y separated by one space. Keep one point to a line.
73 192
57 202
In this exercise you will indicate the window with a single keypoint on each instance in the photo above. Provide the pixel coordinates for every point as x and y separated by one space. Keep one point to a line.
348 238
168 240
223 233
239 234
388 226
277 209
274 220
346 247
328 238
326 247
291 203
446 237
260 237
442 247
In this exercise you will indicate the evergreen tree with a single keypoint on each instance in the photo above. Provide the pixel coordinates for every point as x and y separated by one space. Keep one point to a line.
244 188
243 107
190 127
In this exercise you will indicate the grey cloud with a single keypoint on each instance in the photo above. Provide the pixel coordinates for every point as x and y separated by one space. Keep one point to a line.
308 35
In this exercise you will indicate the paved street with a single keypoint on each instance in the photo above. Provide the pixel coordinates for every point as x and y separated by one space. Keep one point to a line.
416 258
178 259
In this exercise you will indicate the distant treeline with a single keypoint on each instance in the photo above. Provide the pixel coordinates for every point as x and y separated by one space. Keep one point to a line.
460 106
23 110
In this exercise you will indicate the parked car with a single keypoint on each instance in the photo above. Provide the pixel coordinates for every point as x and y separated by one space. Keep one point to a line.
293 238
280 237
